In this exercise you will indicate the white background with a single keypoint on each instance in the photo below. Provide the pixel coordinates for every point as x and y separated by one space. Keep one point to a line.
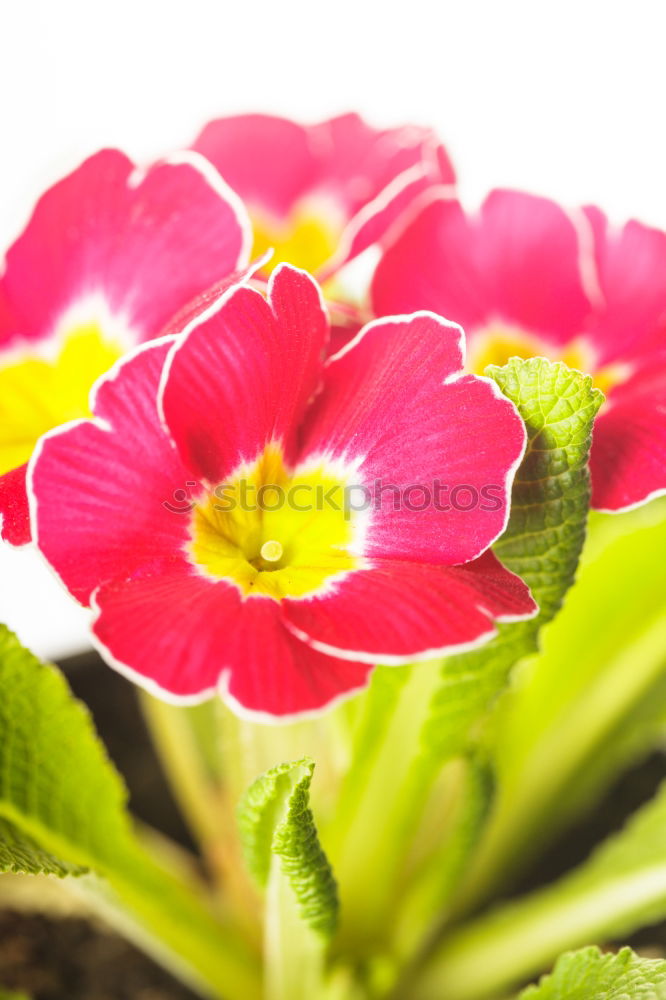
562 98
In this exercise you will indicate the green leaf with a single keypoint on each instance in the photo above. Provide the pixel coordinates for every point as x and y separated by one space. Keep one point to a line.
590 975
543 540
63 812
61 802
10 995
375 711
275 820
621 888
587 706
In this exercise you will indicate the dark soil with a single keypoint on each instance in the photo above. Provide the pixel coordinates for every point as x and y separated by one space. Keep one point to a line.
74 960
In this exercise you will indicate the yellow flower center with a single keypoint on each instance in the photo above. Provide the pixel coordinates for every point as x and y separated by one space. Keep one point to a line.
38 393
276 532
307 239
495 345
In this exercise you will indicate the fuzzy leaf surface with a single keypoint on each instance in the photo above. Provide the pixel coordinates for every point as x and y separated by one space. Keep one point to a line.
590 975
62 805
276 821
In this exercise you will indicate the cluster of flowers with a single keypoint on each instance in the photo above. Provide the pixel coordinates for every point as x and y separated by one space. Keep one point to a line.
148 341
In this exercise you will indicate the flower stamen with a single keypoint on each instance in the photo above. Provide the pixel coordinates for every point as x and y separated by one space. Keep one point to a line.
271 551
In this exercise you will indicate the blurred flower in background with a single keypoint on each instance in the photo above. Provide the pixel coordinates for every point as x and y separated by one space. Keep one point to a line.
109 255
526 278
318 195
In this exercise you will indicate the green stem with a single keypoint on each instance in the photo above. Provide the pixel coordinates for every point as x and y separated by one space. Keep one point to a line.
248 749
293 953
462 797
206 786
380 812
172 728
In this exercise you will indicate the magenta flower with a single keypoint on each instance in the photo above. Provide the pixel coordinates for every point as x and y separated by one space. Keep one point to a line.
321 194
110 254
525 278
210 511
